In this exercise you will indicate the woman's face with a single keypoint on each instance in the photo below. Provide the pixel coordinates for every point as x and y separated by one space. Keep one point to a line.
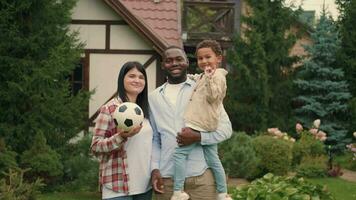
134 82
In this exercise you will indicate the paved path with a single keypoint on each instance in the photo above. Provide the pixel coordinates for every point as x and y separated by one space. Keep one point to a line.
348 175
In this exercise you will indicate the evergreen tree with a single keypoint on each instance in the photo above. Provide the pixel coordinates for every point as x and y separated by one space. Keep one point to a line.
346 56
260 86
42 161
37 55
323 92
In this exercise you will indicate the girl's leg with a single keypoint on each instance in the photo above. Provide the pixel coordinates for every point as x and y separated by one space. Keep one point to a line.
213 161
180 158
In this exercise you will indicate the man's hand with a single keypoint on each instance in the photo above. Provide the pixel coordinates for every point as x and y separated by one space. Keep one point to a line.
157 181
188 136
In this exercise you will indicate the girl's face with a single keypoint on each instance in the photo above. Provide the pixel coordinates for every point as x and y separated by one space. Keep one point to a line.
207 58
134 82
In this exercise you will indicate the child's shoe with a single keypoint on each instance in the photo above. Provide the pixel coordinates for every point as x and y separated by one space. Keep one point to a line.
180 195
224 196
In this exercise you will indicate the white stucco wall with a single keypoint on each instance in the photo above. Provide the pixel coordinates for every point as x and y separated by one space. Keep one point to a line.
93 10
124 37
93 36
104 70
104 67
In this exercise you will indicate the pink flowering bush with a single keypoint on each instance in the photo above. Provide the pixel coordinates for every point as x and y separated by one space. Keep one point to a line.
314 130
276 133
352 149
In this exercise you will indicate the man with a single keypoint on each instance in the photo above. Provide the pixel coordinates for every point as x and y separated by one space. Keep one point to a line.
167 106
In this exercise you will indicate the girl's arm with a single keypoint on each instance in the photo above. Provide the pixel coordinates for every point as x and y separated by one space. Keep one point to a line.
216 86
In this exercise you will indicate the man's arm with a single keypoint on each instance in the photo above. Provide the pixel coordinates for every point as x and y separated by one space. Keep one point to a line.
223 132
156 178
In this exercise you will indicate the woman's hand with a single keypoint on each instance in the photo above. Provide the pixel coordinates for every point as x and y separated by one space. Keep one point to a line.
132 132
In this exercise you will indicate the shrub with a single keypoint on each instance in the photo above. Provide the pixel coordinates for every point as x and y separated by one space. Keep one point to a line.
307 145
238 156
80 169
12 187
313 167
43 161
275 155
7 158
280 187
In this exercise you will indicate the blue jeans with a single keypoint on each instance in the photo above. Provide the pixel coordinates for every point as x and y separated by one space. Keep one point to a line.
212 159
144 196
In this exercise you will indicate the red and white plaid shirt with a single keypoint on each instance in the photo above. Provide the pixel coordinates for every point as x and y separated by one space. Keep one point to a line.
108 146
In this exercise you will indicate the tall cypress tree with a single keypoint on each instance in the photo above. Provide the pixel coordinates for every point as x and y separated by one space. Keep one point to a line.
346 56
37 55
322 89
260 86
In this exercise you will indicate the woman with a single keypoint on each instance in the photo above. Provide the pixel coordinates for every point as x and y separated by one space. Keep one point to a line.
124 172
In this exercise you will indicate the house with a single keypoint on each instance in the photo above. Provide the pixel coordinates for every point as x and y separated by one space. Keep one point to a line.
117 31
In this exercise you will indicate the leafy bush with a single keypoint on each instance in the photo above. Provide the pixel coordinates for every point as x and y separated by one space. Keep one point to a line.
12 187
275 155
307 145
238 156
42 160
280 187
313 167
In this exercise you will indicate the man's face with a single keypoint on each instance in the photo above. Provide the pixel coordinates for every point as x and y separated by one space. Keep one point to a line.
175 63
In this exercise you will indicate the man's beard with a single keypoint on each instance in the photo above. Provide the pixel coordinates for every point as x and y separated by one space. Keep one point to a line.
177 79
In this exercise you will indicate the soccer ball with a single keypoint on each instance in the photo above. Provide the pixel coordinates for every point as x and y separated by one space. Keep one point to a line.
127 116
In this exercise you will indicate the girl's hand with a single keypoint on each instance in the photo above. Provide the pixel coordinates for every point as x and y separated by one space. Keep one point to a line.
209 71
132 132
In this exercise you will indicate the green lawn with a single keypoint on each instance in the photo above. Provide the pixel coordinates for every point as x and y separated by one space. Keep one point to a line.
71 196
340 189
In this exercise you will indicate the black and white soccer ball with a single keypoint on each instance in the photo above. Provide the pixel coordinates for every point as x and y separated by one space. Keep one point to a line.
128 115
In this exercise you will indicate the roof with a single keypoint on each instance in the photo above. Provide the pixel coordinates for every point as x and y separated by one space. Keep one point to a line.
157 20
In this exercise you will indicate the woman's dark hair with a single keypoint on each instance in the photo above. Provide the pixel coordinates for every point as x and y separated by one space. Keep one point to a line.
142 98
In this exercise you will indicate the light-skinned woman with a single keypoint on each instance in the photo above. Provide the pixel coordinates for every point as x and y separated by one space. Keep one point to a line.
124 172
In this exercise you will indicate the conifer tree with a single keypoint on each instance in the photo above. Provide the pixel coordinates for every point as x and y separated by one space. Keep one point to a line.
346 56
260 86
322 90
37 55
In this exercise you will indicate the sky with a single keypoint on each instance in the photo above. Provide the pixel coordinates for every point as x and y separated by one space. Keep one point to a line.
317 5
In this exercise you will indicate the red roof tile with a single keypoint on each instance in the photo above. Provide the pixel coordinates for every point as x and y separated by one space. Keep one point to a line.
163 18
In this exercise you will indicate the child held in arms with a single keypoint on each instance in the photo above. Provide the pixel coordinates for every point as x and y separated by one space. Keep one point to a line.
202 114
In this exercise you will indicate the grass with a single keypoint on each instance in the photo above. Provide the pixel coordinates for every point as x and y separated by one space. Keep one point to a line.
339 188
71 196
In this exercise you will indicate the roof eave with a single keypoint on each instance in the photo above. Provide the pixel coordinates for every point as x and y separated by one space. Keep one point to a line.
159 44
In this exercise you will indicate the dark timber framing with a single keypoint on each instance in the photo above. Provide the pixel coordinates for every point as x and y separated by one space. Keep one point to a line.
155 56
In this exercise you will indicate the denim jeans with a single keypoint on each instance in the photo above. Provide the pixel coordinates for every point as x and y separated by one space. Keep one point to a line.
144 196
212 159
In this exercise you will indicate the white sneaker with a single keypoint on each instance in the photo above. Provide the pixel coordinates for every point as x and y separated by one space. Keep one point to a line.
180 195
224 196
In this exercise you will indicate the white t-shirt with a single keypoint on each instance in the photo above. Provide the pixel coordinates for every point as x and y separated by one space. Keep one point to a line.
171 92
138 150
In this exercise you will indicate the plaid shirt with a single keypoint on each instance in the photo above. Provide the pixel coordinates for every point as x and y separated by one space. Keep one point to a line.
109 148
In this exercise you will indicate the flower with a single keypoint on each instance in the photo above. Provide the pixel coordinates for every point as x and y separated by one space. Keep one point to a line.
316 123
355 134
313 131
298 128
272 130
